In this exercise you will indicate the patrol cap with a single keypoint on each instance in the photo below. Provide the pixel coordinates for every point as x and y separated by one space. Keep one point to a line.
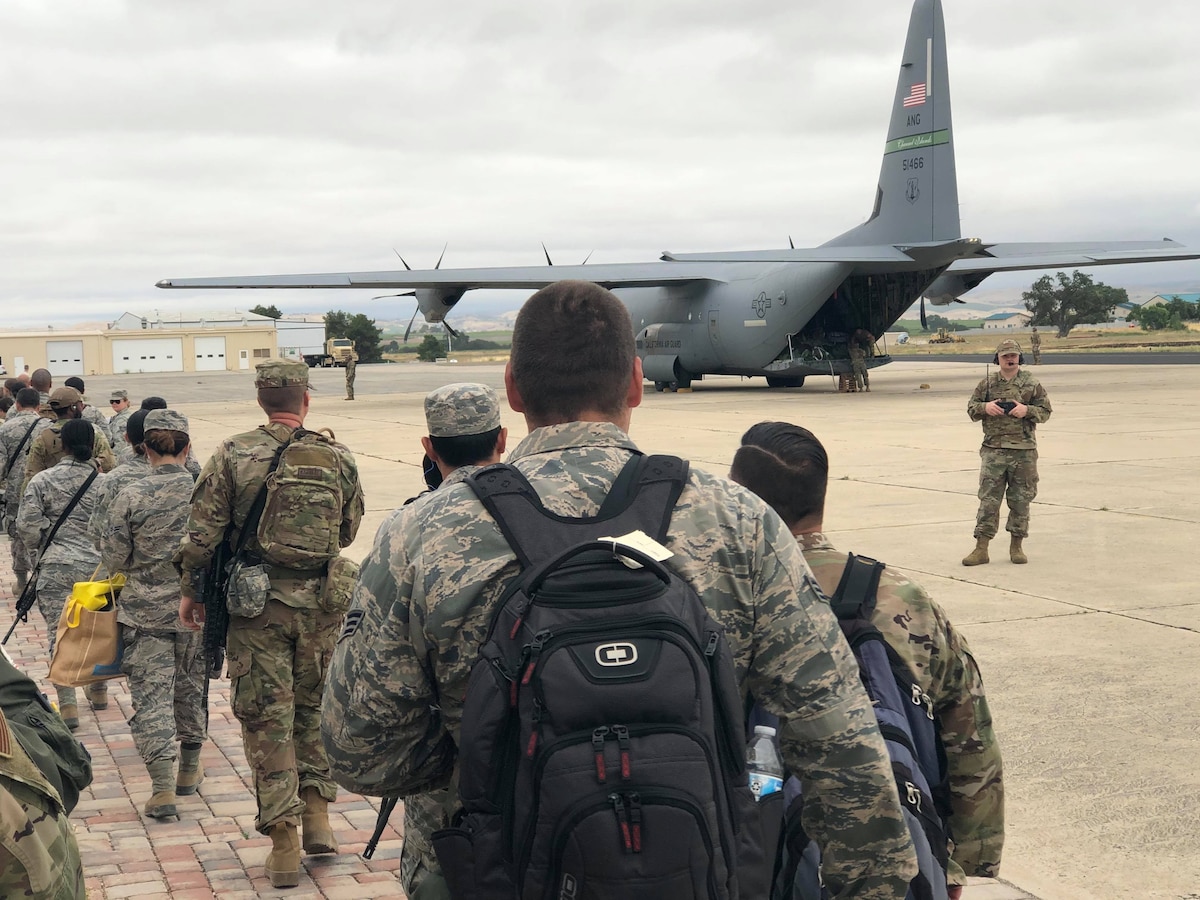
1008 346
118 395
64 398
458 410
165 420
277 373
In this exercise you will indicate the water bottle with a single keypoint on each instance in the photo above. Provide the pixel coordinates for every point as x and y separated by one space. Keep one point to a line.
763 763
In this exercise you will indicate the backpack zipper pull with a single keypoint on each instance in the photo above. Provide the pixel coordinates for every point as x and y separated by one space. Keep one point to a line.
635 821
622 733
618 804
598 738
519 609
710 648
920 698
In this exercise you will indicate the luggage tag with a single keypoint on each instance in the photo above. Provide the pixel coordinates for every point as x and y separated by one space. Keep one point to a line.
642 542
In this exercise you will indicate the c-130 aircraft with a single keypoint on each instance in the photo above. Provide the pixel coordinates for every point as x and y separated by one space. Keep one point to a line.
785 314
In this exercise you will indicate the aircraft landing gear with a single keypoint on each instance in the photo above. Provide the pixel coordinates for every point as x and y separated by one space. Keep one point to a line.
683 384
793 381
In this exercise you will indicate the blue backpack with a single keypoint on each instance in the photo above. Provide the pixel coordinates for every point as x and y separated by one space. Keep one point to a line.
906 721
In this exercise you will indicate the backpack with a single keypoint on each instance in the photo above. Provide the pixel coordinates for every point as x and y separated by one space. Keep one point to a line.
906 721
300 527
602 751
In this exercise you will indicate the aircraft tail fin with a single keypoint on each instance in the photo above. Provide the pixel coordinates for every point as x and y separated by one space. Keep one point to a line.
917 196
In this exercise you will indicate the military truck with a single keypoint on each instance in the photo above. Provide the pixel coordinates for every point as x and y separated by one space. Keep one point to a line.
946 337
335 353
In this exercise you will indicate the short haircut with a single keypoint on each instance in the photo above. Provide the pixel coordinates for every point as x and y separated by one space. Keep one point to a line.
154 403
76 382
13 385
78 439
288 399
786 466
572 352
28 398
166 443
466 449
41 381
135 427
6 403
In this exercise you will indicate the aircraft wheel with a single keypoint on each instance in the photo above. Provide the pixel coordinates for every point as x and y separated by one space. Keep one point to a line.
794 381
660 386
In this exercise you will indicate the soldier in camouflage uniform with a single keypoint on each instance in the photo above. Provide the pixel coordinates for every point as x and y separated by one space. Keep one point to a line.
126 449
47 450
90 413
135 468
39 856
163 659
14 451
1035 345
278 659
71 556
119 401
433 579
1010 404
787 466
351 368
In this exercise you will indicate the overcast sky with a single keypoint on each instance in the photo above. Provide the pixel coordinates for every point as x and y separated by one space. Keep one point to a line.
145 139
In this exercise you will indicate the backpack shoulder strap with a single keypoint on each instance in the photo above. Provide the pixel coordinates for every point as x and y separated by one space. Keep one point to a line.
17 452
855 594
642 498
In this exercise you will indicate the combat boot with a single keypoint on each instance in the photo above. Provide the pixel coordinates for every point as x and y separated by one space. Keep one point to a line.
979 555
97 694
68 708
191 773
162 778
283 862
1015 553
314 823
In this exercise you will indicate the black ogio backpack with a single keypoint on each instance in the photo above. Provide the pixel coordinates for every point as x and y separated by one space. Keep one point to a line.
602 745
906 721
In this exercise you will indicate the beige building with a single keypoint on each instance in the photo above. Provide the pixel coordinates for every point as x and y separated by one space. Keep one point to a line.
189 342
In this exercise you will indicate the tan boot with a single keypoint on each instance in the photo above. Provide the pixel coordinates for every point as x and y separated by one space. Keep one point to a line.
978 556
318 835
283 862
191 773
162 802
1015 553
97 694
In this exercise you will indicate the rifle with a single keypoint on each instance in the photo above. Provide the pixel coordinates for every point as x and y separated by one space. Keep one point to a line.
24 602
216 613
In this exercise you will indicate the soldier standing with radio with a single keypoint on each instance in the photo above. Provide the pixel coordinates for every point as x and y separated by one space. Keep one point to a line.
286 599
1010 404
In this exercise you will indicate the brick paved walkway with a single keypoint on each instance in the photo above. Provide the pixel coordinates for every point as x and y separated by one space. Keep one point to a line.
212 850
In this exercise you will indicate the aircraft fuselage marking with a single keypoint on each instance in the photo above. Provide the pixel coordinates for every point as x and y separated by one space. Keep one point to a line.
913 163
917 141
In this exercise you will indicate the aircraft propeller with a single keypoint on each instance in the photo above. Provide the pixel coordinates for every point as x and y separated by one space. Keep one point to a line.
437 265
550 262
924 327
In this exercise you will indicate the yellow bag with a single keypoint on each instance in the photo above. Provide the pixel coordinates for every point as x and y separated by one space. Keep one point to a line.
88 646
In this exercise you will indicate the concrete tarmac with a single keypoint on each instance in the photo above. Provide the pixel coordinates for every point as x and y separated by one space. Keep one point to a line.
1090 653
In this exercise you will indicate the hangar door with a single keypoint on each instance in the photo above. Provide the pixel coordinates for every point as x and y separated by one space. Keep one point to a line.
64 358
210 354
148 355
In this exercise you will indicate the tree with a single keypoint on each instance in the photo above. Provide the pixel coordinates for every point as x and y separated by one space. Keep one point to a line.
1151 318
431 348
934 322
1076 300
363 331
272 311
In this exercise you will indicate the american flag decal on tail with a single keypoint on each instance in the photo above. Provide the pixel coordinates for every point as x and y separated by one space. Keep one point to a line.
916 95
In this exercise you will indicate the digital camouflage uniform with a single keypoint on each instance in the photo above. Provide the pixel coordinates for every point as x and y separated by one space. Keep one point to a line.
277 660
433 579
941 660
48 450
98 419
11 433
163 659
126 473
124 452
115 429
39 856
1009 452
71 556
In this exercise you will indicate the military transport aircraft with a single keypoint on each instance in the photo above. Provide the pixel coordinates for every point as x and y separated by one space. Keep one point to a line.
788 313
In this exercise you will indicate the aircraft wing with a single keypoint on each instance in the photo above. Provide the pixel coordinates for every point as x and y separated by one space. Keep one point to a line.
617 275
1016 257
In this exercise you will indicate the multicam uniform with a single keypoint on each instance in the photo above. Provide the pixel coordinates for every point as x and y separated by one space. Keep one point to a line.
351 367
940 659
48 450
163 659
1035 346
1009 452
71 556
433 578
277 660
858 365
11 434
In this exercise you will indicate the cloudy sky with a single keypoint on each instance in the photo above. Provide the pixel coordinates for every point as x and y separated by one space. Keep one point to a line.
151 138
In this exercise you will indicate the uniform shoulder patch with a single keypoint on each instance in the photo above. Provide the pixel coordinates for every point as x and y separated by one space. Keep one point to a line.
350 626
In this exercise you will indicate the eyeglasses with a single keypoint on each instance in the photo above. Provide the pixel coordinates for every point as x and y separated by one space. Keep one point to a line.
116 401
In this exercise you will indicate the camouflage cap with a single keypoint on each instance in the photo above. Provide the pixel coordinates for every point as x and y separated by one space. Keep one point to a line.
1008 346
457 410
118 394
276 373
64 397
165 420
